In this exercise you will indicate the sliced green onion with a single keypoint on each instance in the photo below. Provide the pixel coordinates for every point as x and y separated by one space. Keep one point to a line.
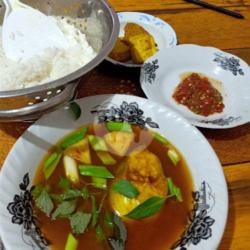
71 243
97 143
109 219
118 126
99 182
74 138
71 171
95 171
51 164
173 156
160 138
106 158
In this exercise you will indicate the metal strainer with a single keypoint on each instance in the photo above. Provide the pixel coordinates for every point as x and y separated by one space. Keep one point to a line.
30 103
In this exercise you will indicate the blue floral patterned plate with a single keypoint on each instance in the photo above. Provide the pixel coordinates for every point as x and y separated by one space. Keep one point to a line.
163 33
161 74
19 228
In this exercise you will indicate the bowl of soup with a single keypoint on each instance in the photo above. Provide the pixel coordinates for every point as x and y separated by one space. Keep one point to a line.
126 174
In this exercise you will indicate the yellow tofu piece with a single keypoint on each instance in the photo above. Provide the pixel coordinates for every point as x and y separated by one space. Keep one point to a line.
142 47
133 29
121 51
119 142
79 151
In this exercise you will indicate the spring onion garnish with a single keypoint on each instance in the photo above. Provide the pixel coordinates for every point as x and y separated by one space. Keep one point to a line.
95 171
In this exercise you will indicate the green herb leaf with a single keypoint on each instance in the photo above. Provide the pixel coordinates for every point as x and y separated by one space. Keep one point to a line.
97 143
75 110
160 138
64 209
99 182
109 219
79 222
74 138
125 188
119 243
44 202
71 243
118 126
64 183
94 211
148 208
173 156
99 232
51 164
36 191
71 194
174 190
95 171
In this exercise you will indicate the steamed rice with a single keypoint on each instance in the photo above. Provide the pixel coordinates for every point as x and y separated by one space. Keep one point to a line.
51 64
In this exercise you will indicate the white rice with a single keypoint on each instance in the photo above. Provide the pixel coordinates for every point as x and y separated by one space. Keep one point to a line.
51 65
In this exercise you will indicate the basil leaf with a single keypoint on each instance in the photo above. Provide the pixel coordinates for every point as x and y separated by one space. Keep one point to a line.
79 222
149 207
75 110
125 188
174 190
44 202
64 209
95 171
36 191
64 183
94 211
119 243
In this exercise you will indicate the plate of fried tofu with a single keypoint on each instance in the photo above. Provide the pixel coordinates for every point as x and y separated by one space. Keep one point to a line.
141 36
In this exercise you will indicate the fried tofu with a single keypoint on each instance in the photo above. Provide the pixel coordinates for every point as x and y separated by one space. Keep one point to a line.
121 51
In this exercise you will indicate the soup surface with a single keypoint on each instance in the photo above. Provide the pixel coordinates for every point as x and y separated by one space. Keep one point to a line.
140 165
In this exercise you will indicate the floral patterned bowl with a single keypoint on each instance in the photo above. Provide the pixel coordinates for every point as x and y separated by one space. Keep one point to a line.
161 74
19 228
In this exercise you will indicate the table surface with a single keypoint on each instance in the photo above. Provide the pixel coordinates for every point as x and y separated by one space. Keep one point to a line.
196 25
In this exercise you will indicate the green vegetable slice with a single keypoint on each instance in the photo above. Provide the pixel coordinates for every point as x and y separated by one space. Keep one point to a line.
148 208
44 202
174 190
173 156
95 171
99 182
106 158
118 126
160 138
99 233
51 163
74 138
75 110
64 209
97 143
125 188
79 222
71 243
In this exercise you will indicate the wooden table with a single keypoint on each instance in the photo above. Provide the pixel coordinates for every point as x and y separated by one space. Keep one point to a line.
193 24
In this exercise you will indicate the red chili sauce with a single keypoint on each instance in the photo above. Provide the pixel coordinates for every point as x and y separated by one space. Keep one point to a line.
198 94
